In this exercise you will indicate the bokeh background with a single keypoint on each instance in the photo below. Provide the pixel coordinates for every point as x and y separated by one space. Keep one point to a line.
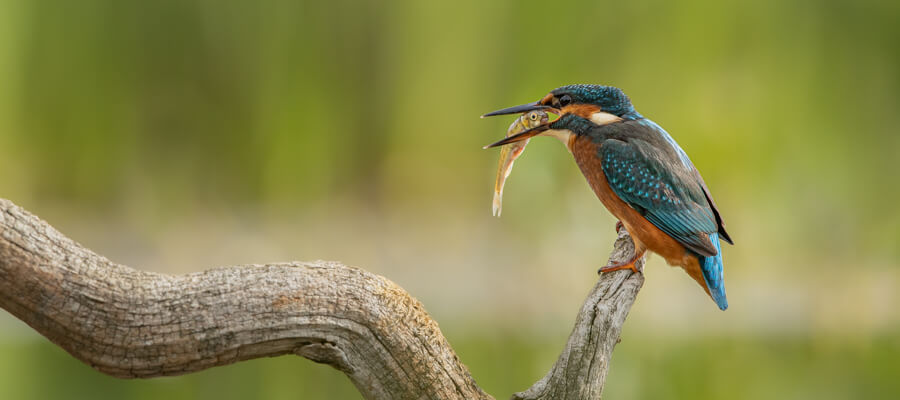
178 135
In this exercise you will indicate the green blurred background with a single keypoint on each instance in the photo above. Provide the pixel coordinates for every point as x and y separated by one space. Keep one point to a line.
178 135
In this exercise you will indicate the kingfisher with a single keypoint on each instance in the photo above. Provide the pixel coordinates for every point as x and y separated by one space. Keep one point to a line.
642 177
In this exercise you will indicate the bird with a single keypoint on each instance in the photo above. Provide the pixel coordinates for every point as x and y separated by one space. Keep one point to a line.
641 175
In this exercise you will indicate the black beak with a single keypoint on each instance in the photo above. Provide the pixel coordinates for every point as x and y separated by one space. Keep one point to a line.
520 136
524 108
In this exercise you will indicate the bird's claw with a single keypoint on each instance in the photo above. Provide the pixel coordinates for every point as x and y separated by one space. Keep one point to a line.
619 266
630 264
619 226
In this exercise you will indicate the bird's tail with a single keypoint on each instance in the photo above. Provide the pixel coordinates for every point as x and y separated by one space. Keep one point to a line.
713 274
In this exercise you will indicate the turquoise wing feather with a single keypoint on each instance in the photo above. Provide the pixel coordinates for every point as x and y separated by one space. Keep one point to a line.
666 194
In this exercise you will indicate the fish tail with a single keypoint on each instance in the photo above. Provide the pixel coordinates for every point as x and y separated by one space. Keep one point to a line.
502 172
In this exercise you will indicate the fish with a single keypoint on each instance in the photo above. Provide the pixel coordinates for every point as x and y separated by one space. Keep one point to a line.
510 152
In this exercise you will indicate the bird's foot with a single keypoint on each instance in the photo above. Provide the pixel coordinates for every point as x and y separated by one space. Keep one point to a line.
618 266
630 264
619 226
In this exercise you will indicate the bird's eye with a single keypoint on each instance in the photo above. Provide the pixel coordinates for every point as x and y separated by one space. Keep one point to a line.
565 100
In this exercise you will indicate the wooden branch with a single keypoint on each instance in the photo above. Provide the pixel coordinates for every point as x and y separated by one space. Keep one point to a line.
135 324
580 371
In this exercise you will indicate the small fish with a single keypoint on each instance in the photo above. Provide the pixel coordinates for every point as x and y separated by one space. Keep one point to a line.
509 153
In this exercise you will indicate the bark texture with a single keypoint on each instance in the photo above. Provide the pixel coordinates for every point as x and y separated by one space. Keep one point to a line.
580 371
135 324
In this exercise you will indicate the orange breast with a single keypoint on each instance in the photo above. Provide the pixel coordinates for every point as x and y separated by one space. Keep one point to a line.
643 232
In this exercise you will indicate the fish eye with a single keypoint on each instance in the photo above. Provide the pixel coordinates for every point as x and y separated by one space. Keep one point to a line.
565 100
533 116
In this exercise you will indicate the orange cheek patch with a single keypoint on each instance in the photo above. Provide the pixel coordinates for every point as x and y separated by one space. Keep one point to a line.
582 110
547 100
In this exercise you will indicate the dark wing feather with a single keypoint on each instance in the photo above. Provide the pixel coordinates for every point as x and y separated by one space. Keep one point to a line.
722 233
663 190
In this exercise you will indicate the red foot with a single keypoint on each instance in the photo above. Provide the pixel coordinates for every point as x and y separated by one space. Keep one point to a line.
619 226
616 267
623 265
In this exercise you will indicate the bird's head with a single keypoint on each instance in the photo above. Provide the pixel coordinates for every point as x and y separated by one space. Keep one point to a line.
593 104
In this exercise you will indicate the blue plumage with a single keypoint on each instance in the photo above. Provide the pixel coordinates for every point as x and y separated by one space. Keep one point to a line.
713 274
674 203
650 172
612 99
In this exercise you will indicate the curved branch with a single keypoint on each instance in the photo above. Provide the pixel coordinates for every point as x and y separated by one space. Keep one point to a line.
135 324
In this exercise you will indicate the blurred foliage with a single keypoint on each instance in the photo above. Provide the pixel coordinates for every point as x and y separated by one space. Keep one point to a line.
735 368
156 112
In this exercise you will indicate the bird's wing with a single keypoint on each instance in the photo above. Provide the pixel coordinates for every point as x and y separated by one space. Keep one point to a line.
712 203
665 193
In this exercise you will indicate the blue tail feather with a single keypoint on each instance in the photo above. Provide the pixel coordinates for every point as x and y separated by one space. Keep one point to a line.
713 274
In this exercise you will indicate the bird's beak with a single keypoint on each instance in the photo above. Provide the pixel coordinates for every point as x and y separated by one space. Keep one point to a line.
524 108
521 135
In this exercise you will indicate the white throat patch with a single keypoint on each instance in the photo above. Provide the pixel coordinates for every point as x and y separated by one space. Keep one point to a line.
564 136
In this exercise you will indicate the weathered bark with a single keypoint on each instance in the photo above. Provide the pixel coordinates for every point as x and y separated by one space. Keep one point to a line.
135 324
580 371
